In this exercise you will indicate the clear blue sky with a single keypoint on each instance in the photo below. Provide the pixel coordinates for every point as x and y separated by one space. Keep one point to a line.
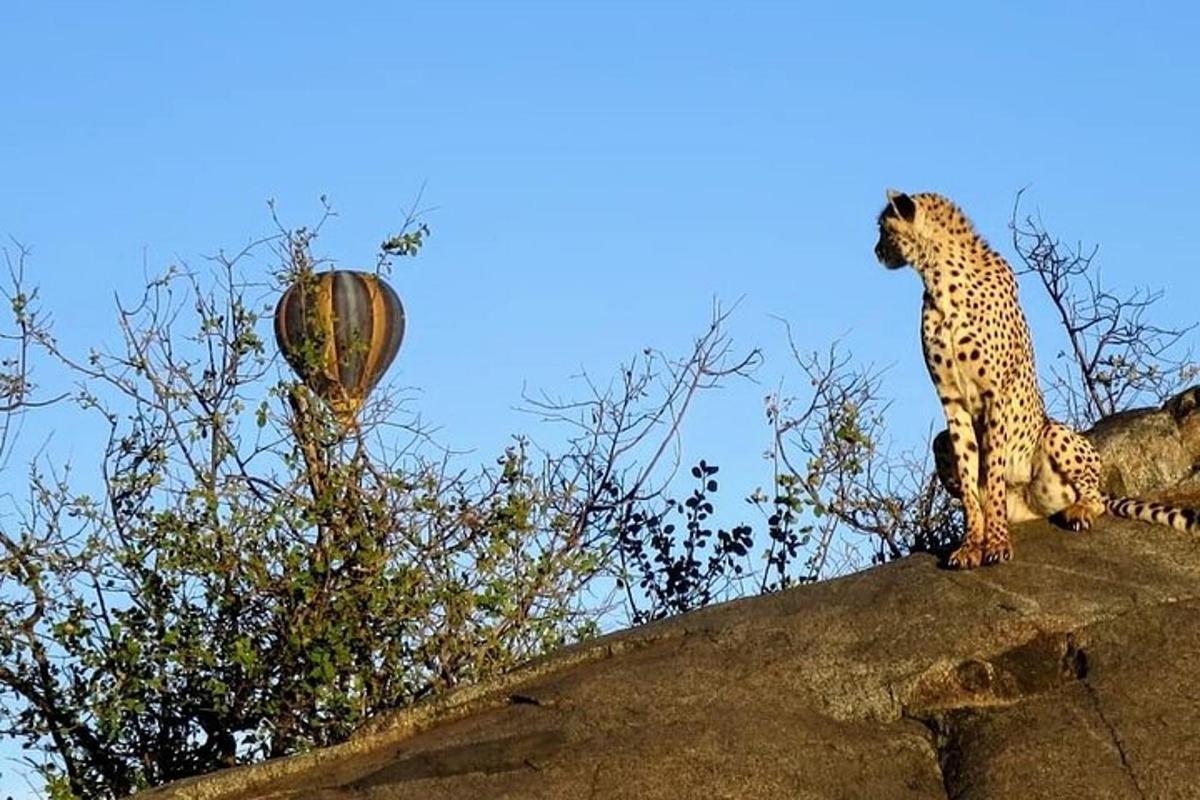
600 171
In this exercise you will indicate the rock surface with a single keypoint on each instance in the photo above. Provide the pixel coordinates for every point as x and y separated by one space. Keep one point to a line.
1069 672
1142 452
1150 449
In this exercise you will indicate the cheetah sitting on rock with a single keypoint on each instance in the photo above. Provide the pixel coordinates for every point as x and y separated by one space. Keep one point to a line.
1007 461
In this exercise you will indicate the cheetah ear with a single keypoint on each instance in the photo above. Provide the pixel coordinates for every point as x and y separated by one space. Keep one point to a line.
903 205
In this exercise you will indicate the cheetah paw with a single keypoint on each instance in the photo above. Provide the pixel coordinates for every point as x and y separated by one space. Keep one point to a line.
1077 517
997 551
969 556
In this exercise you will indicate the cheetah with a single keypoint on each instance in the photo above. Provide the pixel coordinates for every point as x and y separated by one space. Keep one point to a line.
1001 454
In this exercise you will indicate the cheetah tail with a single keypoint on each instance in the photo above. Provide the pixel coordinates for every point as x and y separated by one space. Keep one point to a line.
1181 519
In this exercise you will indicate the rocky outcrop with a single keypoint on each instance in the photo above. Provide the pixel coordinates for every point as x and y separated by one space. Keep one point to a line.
1150 449
1069 672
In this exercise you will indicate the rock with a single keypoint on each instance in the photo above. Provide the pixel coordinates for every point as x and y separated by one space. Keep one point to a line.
1184 408
1142 452
1147 450
1069 672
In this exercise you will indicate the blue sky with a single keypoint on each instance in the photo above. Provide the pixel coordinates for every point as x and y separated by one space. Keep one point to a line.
600 171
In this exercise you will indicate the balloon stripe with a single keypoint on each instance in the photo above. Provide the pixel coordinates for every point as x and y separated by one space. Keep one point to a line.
365 301
329 372
389 342
348 312
292 324
379 320
281 327
367 332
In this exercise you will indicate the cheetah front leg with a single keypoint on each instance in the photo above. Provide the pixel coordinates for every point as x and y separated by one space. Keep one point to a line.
997 546
966 460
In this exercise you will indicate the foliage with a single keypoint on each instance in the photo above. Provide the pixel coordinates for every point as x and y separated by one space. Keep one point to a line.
642 411
830 453
680 572
835 487
250 581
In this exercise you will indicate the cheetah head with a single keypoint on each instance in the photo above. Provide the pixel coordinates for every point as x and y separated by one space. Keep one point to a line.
899 231
912 225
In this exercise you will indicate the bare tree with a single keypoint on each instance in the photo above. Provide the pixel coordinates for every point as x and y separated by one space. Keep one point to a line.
620 457
25 325
1115 355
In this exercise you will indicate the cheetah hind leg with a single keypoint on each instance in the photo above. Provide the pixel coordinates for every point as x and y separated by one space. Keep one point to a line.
1072 485
943 462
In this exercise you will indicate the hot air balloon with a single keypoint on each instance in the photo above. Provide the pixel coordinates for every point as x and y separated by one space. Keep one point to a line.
340 331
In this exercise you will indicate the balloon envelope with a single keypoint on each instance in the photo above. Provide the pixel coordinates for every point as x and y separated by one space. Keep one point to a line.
340 331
